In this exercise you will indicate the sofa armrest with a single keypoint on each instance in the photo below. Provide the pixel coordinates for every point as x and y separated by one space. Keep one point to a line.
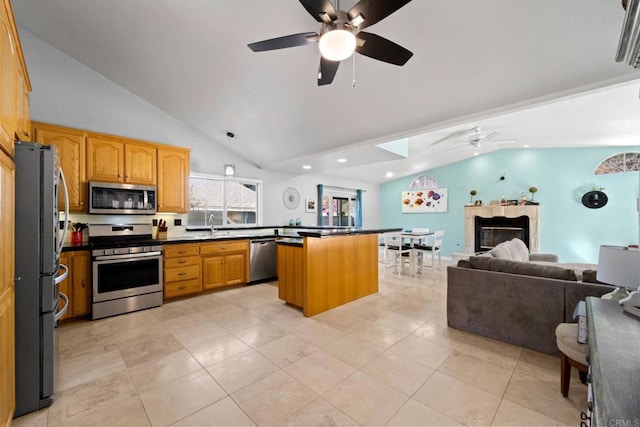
543 257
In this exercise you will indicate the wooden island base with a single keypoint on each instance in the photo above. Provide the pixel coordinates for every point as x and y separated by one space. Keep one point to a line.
327 272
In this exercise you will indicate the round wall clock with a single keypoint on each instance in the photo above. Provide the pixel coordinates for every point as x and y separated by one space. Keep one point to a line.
291 198
594 199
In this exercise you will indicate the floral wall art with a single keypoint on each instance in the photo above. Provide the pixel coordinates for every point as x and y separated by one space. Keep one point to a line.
425 201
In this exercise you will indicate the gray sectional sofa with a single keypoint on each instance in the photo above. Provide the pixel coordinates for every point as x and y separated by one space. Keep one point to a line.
516 301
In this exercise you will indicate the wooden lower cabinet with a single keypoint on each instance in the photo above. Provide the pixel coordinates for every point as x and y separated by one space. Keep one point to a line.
290 274
181 270
77 286
223 270
193 267
224 263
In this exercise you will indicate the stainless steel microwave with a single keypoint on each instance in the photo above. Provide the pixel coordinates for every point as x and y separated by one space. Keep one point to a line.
114 198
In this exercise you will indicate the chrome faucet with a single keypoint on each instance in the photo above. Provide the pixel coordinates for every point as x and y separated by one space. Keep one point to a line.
213 227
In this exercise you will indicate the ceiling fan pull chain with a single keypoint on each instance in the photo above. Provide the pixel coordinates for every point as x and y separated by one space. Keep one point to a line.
353 82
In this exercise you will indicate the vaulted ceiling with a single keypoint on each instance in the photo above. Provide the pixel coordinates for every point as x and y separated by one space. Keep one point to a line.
473 62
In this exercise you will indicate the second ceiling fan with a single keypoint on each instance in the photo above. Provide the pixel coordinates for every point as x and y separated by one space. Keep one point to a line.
341 34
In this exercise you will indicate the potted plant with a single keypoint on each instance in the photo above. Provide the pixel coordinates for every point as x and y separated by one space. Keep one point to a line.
473 193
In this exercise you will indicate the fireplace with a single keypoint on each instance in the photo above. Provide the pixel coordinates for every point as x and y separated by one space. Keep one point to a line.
489 232
527 219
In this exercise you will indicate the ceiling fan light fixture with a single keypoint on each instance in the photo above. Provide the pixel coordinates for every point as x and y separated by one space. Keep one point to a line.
337 43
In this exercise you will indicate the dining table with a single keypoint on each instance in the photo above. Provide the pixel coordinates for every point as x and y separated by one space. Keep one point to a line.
413 237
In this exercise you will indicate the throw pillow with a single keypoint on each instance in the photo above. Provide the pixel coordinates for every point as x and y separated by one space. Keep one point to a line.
519 250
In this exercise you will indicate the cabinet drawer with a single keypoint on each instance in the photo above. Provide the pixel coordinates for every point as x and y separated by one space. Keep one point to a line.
221 248
181 261
182 273
173 251
185 287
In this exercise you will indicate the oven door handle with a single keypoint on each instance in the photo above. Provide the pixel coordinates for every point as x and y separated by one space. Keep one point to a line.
128 256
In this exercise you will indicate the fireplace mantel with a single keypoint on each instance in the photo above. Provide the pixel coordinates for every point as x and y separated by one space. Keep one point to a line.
531 211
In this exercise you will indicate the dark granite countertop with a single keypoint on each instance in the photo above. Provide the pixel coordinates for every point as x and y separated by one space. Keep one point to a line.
290 241
345 231
71 247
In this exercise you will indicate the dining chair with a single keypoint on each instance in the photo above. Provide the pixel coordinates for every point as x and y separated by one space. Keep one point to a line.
393 245
430 247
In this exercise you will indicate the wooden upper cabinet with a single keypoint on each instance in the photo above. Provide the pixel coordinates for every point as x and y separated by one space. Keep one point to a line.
140 164
23 122
105 159
71 146
117 160
8 64
173 180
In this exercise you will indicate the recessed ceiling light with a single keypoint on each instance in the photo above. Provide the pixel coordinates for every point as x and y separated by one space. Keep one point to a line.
476 153
526 145
389 174
342 160
306 167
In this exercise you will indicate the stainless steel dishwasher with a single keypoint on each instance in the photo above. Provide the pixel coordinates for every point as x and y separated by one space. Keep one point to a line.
263 259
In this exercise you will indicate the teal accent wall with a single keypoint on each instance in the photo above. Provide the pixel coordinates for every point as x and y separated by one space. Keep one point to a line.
562 176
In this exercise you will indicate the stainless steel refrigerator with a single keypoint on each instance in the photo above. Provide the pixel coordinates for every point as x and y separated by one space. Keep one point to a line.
38 272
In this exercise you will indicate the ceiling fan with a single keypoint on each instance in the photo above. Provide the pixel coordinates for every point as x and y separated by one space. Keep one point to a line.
341 34
473 137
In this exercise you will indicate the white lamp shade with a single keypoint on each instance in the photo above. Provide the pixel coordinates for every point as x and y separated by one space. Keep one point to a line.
619 266
338 44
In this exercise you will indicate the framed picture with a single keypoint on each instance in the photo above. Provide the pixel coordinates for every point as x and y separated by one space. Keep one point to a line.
310 205
478 202
425 201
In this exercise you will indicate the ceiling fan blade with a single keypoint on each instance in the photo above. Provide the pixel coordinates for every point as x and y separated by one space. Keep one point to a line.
327 71
373 11
376 47
455 147
449 137
320 10
283 42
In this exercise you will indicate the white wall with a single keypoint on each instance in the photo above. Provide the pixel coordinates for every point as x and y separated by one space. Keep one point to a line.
67 93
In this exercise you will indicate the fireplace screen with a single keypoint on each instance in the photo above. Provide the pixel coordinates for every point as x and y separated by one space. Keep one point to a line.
490 237
489 232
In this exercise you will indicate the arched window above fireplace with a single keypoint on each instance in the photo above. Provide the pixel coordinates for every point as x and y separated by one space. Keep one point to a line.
622 162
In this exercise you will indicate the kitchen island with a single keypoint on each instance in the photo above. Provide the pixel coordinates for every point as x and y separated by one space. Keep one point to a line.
324 269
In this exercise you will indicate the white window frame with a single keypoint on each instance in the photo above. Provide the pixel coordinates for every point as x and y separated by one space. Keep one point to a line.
224 179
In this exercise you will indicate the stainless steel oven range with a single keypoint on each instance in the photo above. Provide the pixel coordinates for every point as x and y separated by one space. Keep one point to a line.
127 268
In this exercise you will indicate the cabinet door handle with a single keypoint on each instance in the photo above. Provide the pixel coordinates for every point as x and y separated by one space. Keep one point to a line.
182 274
181 288
182 252
182 261
83 283
81 203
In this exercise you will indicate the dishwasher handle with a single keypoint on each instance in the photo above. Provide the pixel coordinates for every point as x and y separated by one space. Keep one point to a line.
263 241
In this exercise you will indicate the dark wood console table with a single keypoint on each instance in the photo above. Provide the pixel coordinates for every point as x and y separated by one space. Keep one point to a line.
614 362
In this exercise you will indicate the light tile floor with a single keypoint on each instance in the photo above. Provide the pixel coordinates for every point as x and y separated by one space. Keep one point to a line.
242 357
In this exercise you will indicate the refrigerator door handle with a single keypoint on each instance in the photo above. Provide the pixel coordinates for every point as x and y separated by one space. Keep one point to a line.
66 212
63 276
58 314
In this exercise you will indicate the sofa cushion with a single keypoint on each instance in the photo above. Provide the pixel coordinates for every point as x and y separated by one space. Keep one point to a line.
514 250
523 268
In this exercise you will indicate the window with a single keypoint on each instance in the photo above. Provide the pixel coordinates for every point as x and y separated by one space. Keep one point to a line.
338 211
218 201
623 162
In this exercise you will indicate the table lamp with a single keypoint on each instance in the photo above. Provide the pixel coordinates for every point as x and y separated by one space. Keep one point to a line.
620 266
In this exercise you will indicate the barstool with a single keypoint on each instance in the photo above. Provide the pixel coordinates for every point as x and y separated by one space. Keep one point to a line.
572 353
